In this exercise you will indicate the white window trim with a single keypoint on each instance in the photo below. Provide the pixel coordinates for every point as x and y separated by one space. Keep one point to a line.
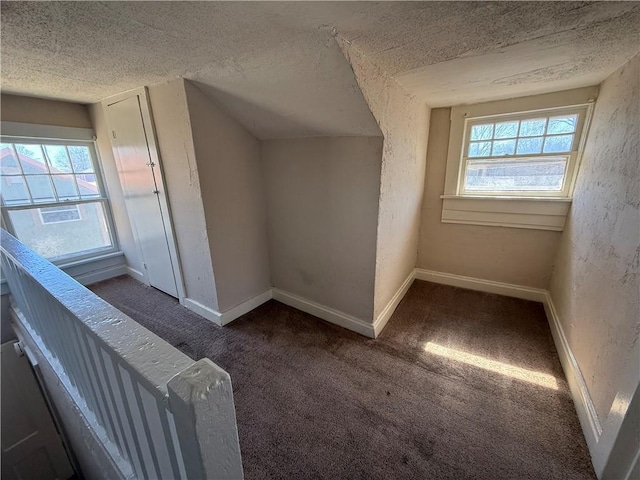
13 132
518 209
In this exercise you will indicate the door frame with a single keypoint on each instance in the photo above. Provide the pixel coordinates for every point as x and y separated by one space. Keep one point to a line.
154 152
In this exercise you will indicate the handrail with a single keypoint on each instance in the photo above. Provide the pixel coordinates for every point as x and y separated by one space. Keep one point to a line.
151 401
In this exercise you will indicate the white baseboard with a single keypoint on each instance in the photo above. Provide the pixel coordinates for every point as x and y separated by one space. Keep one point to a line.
488 286
223 318
203 310
581 398
245 307
133 273
329 314
386 314
101 274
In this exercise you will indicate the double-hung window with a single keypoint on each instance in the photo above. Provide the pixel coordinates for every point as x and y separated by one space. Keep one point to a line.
524 154
53 198
514 162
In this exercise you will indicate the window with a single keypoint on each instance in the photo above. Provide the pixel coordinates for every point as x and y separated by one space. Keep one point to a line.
521 154
513 162
53 198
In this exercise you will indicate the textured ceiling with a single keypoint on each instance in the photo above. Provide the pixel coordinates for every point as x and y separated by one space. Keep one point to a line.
276 67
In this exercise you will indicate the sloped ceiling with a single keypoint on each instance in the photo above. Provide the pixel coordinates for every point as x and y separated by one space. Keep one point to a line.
276 67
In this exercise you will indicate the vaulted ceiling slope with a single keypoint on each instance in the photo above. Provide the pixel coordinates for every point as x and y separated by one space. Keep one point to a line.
276 67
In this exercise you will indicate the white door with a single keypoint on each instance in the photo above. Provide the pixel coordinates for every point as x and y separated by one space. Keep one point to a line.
31 447
141 182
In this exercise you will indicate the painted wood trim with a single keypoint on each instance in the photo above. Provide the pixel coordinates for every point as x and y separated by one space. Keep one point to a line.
101 454
49 132
488 286
201 400
223 318
88 271
137 275
389 310
539 214
581 397
202 310
245 307
325 313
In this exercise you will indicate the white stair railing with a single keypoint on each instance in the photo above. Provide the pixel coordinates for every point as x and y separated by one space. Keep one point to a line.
165 415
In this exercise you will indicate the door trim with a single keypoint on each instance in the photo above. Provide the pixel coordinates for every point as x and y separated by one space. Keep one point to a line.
154 152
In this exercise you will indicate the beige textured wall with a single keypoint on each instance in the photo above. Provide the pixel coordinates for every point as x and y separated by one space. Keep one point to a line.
403 121
230 173
16 108
323 210
595 286
116 197
173 128
511 255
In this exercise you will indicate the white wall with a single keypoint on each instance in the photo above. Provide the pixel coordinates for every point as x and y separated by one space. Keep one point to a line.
181 175
511 255
403 120
114 189
323 212
231 182
595 284
16 108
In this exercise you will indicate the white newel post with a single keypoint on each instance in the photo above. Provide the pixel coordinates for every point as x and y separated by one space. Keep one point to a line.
201 400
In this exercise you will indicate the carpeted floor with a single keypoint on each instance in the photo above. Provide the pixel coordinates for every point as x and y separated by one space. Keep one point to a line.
460 385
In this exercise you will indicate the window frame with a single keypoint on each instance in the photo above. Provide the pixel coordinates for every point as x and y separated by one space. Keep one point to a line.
583 113
524 209
103 199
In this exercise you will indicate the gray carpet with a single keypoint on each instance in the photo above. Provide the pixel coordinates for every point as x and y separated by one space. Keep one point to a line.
315 401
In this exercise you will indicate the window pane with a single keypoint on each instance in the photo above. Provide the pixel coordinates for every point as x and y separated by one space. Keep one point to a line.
533 127
8 160
506 130
88 186
480 149
58 158
59 240
67 213
529 145
31 159
65 187
504 147
515 174
14 191
563 124
561 143
482 132
40 187
81 159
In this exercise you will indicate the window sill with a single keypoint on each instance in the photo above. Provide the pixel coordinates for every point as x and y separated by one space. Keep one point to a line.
538 213
89 270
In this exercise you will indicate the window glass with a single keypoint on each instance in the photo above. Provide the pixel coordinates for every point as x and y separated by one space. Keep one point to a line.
31 159
533 127
58 234
80 159
557 144
563 124
515 174
65 187
62 214
519 154
58 159
74 220
506 129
